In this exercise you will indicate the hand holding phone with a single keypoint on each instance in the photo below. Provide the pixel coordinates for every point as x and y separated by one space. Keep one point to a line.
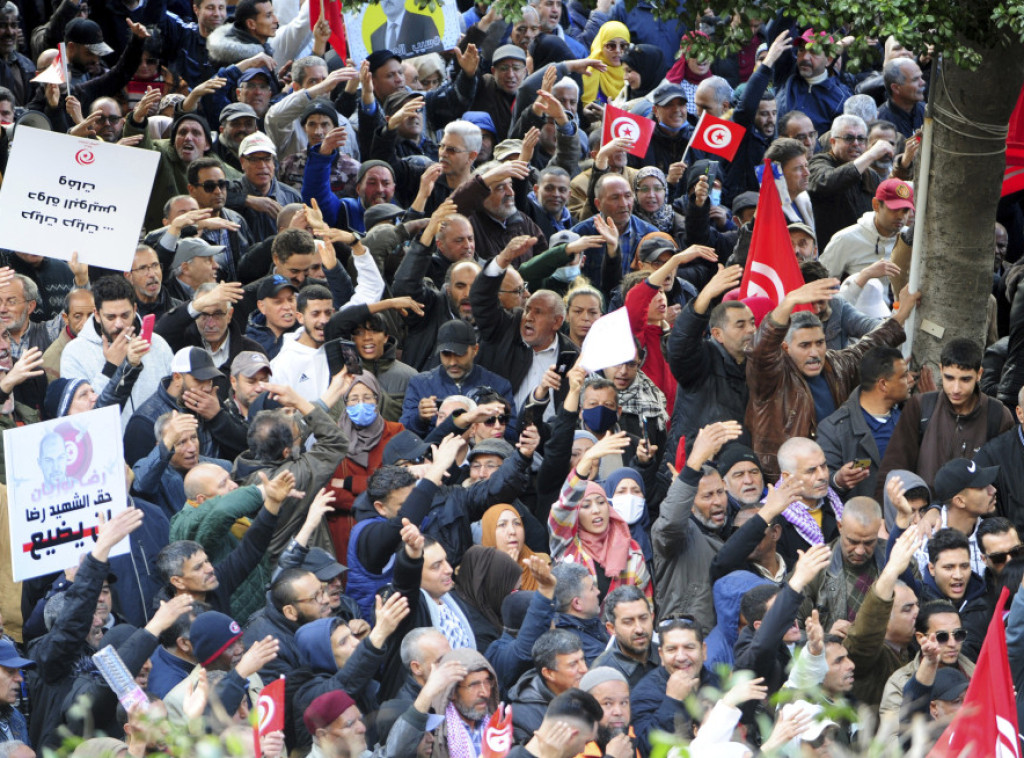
147 327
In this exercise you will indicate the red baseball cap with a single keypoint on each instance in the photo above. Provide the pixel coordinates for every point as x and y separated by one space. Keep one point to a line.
896 194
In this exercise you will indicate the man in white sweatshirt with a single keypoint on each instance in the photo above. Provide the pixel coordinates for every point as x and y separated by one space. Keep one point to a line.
302 362
872 238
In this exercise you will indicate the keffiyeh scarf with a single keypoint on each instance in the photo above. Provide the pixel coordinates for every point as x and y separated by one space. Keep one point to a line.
802 520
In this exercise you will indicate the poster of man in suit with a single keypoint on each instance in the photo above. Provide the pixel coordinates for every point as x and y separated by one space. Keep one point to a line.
403 28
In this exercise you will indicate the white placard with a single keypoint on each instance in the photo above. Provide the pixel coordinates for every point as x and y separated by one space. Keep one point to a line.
417 31
61 476
608 343
63 194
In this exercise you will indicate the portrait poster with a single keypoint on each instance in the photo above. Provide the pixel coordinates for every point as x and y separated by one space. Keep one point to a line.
63 476
403 28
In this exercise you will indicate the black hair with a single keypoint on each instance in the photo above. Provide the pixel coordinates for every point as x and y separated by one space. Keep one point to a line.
946 539
312 292
553 643
109 288
576 704
877 363
933 608
292 242
993 525
386 480
754 603
282 591
962 353
198 165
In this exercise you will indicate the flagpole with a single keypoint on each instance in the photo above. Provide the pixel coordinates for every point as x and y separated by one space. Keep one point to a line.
696 131
62 49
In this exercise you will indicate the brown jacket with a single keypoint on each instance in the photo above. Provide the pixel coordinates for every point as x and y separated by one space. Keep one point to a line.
875 661
781 405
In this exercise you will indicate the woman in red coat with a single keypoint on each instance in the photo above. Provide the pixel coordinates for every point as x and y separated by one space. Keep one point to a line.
367 434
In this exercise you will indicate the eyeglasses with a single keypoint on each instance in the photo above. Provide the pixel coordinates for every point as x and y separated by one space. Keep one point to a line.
108 119
212 184
257 158
215 316
851 139
318 598
485 466
449 150
12 302
520 290
1000 558
505 68
958 634
503 420
147 268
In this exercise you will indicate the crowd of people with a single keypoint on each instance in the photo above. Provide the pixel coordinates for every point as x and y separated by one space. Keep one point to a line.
363 453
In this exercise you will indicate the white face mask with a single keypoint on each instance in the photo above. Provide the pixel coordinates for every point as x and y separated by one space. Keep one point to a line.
630 507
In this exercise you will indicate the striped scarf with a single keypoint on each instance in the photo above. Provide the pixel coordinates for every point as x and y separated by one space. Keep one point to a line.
800 517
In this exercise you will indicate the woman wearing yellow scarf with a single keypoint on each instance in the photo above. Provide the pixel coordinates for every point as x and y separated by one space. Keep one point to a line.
609 47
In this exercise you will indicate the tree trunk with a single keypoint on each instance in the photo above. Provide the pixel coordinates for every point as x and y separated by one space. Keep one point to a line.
965 179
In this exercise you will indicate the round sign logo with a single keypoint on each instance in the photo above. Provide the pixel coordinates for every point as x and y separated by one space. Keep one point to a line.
84 157
265 710
717 135
625 128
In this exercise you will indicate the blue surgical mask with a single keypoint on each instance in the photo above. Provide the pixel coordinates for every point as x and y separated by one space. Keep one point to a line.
362 414
566 273
599 419
716 196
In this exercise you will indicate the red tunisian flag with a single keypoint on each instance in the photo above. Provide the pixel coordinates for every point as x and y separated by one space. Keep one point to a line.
718 136
332 9
772 270
986 724
619 123
269 711
497 741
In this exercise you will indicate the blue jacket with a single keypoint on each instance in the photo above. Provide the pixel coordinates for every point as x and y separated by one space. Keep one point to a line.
257 329
512 656
163 484
728 592
168 671
437 382
591 632
821 102
653 709
360 583
599 268
341 212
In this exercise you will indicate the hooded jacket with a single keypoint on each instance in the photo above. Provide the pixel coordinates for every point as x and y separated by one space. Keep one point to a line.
853 249
300 366
529 698
728 592
83 359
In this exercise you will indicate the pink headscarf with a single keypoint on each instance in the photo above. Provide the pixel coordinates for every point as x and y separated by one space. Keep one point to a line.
611 549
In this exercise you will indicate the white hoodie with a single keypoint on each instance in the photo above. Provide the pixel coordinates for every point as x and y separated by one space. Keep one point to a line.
853 249
302 367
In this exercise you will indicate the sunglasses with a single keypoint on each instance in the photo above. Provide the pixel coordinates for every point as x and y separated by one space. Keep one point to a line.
1000 558
503 420
211 184
679 618
943 637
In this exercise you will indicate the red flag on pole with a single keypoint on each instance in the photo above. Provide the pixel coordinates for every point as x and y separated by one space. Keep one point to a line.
331 9
619 123
269 711
718 136
497 739
57 71
772 270
986 723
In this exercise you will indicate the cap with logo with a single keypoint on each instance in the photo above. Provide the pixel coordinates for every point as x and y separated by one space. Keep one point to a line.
248 363
273 284
194 247
456 336
319 107
257 142
211 634
232 111
195 361
667 92
961 474
84 31
896 194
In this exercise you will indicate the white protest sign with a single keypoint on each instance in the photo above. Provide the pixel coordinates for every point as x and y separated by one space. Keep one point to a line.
608 343
403 28
63 194
61 476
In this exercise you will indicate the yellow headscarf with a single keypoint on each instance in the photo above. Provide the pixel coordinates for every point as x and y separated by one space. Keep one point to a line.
611 81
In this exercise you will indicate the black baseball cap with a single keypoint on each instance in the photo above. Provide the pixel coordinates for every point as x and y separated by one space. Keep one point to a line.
378 58
961 474
456 336
273 284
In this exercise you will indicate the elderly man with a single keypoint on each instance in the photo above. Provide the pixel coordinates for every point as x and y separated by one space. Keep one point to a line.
18 300
146 277
237 121
78 306
795 383
490 204
842 185
904 89
336 726
311 80
258 158
672 133
524 344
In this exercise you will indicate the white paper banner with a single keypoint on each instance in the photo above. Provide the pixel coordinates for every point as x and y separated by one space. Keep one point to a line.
608 343
402 28
63 194
61 476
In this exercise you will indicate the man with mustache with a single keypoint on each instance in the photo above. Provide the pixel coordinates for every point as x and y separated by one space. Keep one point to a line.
146 277
629 618
810 87
795 383
16 71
